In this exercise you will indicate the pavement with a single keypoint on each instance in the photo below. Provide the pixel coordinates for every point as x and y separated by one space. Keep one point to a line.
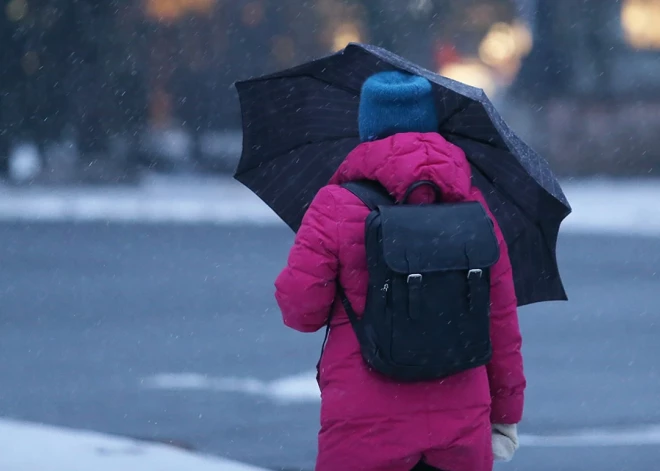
166 329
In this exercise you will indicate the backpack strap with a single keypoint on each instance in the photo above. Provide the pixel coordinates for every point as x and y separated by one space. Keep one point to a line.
414 186
372 194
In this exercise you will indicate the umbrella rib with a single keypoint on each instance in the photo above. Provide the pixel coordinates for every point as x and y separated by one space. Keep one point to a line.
502 191
459 110
308 75
471 138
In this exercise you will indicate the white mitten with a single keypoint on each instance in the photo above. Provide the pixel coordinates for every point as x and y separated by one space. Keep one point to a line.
505 441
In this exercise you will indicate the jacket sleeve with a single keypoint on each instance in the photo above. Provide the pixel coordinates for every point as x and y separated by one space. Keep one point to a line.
505 370
305 290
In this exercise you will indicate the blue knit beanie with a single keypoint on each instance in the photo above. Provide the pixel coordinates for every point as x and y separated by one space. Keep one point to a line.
395 102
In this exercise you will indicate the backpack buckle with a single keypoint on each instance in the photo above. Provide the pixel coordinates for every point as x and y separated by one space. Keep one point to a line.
475 271
414 277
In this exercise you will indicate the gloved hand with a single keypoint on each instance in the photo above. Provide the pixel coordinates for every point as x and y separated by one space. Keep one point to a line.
505 441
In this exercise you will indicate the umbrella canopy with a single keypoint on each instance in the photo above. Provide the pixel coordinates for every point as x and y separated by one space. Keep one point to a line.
300 124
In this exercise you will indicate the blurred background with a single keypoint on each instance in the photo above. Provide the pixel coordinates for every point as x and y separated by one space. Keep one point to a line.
136 278
135 84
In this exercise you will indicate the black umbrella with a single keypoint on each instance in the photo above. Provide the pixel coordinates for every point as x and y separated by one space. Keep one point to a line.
299 125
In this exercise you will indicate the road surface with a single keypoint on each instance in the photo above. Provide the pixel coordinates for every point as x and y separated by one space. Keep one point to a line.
91 311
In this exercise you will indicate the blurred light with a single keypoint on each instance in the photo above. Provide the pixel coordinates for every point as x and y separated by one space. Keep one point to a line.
284 49
170 10
640 20
16 10
523 38
508 71
30 62
504 43
164 10
344 34
504 47
471 72
446 53
253 13
24 163
499 45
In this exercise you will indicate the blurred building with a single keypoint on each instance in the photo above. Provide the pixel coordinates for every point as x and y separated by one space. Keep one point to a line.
65 72
588 94
120 67
126 68
201 47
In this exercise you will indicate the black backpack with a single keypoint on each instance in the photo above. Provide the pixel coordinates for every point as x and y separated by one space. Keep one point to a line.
427 314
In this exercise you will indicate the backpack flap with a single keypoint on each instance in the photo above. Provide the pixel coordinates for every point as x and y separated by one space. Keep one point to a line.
433 238
422 243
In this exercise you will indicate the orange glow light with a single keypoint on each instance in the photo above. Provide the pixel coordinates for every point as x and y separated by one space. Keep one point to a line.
171 10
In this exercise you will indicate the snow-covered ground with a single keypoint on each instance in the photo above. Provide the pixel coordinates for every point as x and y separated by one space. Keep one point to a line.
611 206
34 447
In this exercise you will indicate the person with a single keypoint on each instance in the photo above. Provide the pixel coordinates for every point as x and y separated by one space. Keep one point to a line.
368 421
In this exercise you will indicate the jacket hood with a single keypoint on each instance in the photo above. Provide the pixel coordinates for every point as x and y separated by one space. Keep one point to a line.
400 160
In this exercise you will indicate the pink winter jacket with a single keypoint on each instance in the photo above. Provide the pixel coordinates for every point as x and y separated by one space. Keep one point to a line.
369 422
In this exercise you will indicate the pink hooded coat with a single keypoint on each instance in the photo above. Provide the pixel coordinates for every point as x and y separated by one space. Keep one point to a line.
368 422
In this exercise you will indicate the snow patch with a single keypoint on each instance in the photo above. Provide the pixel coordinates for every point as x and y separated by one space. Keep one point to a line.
31 447
290 389
24 162
643 435
614 207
